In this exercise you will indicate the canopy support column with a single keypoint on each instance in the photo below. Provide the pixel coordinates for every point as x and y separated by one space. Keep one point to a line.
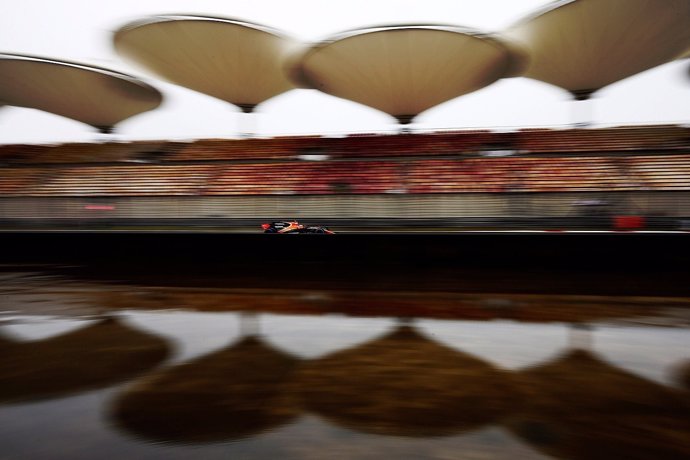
582 113
247 123
105 129
405 121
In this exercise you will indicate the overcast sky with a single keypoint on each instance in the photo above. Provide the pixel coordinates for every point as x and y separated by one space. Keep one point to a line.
81 30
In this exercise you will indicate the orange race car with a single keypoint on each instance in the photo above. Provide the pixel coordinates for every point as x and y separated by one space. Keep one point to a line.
295 228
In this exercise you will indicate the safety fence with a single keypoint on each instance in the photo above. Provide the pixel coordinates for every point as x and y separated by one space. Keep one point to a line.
495 210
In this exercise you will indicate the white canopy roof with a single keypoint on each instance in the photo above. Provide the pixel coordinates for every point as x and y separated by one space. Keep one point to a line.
404 70
585 45
93 95
235 61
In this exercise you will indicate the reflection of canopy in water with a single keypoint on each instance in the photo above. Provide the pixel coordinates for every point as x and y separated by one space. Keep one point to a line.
405 384
580 407
233 393
98 97
585 45
445 305
684 375
234 61
6 341
404 70
95 356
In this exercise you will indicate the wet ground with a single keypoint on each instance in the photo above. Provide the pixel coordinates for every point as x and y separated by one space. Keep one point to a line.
144 361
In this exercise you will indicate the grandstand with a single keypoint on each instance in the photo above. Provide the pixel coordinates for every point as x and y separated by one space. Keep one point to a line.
576 176
527 178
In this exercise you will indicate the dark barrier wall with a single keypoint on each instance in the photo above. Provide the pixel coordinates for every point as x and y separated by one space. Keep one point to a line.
276 252
84 210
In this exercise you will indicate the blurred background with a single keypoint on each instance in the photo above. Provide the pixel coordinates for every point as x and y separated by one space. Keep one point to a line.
533 115
509 188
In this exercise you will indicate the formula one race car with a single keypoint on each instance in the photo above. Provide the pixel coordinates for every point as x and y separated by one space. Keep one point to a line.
294 228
